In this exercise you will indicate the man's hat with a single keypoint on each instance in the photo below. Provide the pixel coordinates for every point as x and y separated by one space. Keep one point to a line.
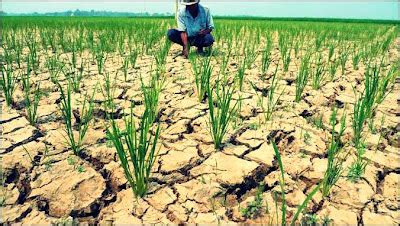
189 2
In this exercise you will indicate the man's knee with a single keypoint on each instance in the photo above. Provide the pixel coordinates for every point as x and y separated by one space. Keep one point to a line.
208 40
174 36
171 34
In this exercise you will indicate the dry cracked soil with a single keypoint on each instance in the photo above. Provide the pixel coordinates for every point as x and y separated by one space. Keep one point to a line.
191 181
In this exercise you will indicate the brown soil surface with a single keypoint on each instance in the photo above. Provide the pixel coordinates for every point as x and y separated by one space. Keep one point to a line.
192 182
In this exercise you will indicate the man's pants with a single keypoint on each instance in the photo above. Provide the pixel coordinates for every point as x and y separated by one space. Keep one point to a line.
198 41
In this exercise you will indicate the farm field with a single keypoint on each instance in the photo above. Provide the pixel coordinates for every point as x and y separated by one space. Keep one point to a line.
102 121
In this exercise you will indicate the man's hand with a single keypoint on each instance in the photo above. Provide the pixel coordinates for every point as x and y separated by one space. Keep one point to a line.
185 52
204 31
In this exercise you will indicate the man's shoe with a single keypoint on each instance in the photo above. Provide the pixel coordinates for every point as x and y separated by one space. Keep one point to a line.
201 52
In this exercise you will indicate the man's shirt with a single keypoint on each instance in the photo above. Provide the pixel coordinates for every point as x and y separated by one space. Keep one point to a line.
191 25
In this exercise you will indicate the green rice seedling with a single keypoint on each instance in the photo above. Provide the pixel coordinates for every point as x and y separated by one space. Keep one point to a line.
318 74
319 39
359 119
281 183
108 90
333 66
8 83
202 73
151 93
125 66
133 57
357 168
18 54
302 77
385 45
3 188
54 67
75 76
297 48
282 186
161 56
31 104
332 46
82 118
310 219
101 58
272 99
136 149
316 121
266 56
386 83
240 74
371 89
284 42
250 54
33 56
366 103
224 63
343 57
335 162
356 59
253 209
220 115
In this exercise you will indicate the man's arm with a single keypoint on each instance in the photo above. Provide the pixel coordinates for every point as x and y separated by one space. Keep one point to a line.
210 24
184 38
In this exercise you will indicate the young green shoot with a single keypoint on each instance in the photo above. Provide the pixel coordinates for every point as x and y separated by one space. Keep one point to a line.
82 118
136 149
31 102
220 115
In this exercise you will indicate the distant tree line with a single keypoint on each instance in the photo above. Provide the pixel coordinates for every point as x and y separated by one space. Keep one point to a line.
90 13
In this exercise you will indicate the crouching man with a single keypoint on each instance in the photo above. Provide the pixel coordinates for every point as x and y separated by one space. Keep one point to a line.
195 24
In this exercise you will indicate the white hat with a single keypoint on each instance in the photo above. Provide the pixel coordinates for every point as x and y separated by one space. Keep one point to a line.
189 2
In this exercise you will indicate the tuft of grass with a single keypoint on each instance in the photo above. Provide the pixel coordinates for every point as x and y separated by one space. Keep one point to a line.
202 73
386 83
333 66
253 209
151 93
365 105
302 76
220 115
266 56
318 74
335 162
240 74
272 99
31 103
8 83
343 57
136 149
282 185
357 168
82 118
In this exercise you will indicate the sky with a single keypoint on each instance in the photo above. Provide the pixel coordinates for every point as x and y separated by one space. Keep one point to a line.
358 9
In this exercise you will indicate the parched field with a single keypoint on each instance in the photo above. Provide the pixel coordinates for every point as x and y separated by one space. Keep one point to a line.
102 121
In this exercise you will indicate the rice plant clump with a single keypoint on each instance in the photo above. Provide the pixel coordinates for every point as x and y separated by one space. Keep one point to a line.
220 114
273 97
31 102
8 83
202 72
82 118
283 197
335 160
151 93
136 149
302 76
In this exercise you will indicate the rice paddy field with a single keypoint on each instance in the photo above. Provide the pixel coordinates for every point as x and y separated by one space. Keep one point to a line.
285 122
